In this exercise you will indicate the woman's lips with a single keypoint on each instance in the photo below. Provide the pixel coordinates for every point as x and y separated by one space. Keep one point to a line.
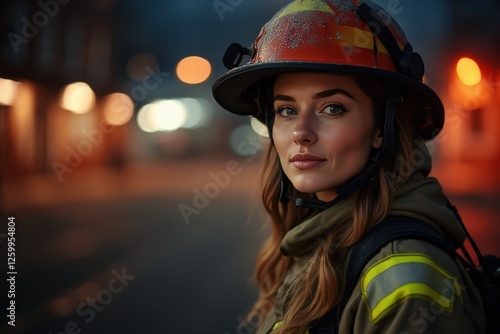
305 161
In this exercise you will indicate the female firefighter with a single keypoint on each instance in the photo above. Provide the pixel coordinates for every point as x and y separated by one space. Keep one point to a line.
340 90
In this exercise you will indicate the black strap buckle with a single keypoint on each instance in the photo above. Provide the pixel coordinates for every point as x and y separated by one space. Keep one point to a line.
234 54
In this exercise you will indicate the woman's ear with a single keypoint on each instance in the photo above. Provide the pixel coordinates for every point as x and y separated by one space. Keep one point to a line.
377 138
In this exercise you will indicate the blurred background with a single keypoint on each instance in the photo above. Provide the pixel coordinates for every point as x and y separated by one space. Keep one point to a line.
134 194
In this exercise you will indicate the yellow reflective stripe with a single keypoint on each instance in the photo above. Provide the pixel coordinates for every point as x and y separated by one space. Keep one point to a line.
301 6
407 291
401 276
276 325
395 259
359 38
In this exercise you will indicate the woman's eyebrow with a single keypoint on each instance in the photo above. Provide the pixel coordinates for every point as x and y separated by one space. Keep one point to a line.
316 96
332 92
282 97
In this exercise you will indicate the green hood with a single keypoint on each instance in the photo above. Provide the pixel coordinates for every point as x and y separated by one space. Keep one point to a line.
420 198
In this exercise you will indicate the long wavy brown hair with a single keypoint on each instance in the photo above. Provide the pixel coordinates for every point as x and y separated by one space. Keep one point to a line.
320 287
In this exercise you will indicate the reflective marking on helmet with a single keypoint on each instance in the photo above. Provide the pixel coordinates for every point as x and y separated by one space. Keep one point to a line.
399 277
359 38
276 325
302 6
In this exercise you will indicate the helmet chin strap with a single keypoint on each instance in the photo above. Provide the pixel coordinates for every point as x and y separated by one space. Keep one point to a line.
346 189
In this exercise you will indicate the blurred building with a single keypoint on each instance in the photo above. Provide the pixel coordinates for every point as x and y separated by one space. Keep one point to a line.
469 147
46 46
65 62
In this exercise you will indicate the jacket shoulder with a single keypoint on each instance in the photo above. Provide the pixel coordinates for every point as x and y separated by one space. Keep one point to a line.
411 282
409 269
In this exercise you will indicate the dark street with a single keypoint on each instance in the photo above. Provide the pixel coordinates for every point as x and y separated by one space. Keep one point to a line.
179 277
130 263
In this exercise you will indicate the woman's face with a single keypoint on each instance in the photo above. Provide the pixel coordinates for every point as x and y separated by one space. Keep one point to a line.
323 130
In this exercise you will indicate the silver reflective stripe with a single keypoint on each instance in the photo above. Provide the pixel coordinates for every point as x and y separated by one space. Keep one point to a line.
404 273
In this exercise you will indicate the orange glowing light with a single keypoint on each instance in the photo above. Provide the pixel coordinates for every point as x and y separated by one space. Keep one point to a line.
193 70
118 109
468 71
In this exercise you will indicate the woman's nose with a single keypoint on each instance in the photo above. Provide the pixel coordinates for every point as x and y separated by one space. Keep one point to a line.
304 132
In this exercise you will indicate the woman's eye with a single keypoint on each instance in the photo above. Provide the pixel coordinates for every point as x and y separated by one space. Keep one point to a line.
285 111
334 109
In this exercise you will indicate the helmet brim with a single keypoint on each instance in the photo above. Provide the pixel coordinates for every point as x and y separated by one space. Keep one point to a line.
232 90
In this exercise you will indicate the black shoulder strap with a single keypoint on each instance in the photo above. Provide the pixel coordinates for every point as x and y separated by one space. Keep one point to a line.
391 228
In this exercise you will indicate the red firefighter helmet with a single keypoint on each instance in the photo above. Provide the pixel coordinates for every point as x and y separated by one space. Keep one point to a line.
346 37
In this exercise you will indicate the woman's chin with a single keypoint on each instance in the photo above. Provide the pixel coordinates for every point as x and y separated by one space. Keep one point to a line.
321 193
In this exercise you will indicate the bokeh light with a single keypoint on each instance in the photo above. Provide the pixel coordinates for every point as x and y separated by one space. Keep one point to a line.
118 108
193 70
78 98
468 71
197 112
161 115
259 127
169 115
173 114
144 118
8 91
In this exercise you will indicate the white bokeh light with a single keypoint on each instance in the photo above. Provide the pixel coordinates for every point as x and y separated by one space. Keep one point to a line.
8 91
197 113
169 115
143 119
78 98
259 128
162 115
